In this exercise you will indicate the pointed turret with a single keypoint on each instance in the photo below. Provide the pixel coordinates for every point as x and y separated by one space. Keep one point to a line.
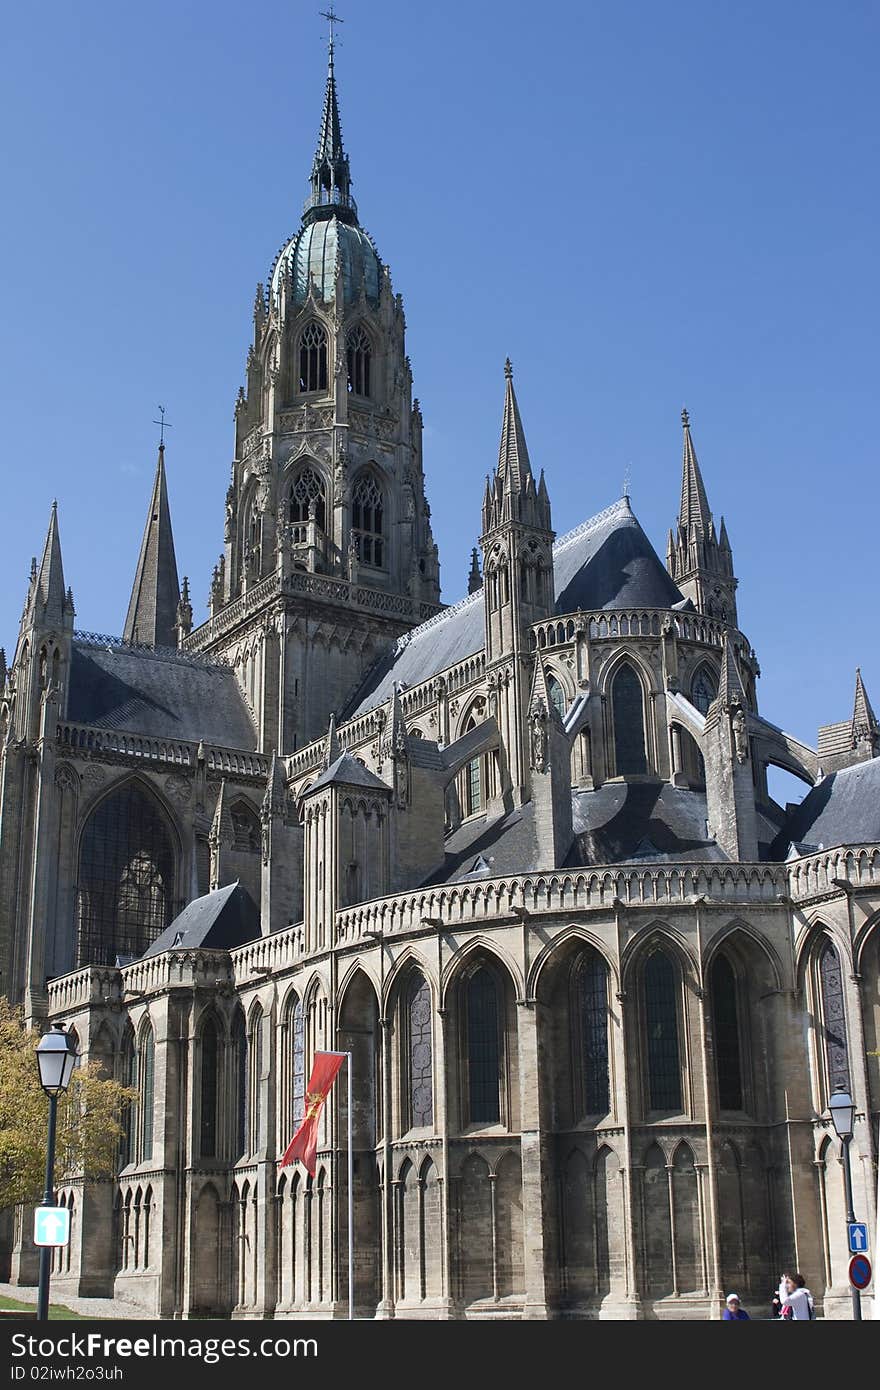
49 597
514 466
512 494
332 746
726 748
700 562
475 579
730 686
184 613
331 177
152 611
865 728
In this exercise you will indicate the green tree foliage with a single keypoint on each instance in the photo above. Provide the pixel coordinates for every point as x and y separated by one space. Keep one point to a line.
90 1117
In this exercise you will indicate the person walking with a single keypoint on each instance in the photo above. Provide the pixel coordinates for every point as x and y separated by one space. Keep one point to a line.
795 1298
733 1312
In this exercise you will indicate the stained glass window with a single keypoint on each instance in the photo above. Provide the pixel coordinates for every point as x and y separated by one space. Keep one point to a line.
210 1064
307 501
592 996
255 1090
557 696
661 1022
834 1019
298 1089
728 1062
368 521
359 352
629 723
421 1075
126 878
483 1049
127 1077
313 358
703 690
240 1056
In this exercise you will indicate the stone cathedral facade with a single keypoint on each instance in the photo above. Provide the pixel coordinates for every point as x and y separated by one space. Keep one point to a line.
517 855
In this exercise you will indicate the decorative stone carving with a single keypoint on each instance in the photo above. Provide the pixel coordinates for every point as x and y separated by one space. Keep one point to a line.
538 738
740 734
178 789
67 778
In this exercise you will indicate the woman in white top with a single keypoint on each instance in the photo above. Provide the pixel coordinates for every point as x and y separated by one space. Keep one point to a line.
796 1299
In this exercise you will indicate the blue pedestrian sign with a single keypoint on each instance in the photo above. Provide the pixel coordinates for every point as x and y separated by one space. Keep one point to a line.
51 1226
858 1237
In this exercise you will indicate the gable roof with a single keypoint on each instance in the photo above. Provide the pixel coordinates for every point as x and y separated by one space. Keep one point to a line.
843 809
349 772
607 562
217 921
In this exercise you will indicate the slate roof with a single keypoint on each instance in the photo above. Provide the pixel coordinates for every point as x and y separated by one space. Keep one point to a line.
844 809
607 562
217 921
157 693
350 773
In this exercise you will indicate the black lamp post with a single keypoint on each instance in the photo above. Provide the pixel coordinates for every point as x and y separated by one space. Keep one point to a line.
843 1113
56 1058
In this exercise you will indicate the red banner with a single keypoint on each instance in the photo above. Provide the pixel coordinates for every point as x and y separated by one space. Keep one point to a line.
304 1144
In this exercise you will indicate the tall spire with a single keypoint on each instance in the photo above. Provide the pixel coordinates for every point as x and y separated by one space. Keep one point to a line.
50 594
475 579
331 177
152 611
694 502
864 720
514 467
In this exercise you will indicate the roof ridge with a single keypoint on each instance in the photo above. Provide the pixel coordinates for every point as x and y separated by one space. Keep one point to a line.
106 641
592 523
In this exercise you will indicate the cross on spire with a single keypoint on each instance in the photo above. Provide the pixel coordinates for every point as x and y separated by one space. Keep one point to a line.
332 18
163 426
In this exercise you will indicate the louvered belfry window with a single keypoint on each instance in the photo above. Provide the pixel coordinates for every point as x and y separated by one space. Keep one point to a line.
368 521
313 358
359 353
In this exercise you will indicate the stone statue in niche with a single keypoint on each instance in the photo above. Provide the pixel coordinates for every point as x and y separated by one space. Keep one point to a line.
740 734
538 738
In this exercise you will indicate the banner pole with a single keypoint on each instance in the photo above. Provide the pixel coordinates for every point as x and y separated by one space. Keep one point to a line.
350 1199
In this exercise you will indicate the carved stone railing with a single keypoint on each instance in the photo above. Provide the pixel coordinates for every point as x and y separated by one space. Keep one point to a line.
562 891
814 875
116 743
274 953
93 984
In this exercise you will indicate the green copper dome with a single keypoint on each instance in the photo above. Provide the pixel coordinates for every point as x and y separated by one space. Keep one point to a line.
315 252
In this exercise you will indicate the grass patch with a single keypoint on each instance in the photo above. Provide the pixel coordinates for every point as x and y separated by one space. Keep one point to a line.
56 1310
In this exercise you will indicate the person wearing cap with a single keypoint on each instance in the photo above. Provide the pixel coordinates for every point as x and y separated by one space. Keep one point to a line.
733 1312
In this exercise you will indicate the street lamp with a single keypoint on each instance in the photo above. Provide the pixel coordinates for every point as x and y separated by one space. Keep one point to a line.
843 1113
56 1059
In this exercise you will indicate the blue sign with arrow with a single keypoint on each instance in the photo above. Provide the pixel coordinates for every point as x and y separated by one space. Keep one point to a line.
51 1226
858 1237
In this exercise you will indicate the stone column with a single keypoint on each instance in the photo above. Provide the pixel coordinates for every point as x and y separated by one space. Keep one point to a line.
534 1164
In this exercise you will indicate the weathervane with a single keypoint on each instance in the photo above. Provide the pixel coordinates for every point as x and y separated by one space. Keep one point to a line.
332 18
163 426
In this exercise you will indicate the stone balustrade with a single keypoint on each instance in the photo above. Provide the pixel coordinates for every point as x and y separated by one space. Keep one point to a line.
93 984
814 875
268 953
116 743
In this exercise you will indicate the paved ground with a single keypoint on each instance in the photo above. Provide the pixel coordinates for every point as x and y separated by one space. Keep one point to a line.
86 1307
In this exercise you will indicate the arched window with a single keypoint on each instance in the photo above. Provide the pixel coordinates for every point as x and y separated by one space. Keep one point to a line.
661 1025
728 1061
245 828
483 1048
359 351
474 778
704 689
298 1078
421 1072
210 1064
240 1062
126 878
128 1078
146 1093
308 502
628 713
255 1090
313 358
557 696
368 521
833 1019
591 1004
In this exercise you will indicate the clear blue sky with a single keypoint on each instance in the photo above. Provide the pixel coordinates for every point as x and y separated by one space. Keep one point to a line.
644 205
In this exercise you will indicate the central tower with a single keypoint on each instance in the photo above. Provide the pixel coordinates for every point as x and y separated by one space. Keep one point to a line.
329 555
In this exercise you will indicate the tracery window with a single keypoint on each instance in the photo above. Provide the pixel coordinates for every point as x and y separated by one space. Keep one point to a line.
591 994
210 1064
254 1088
661 1023
240 1059
313 358
483 1048
421 1074
359 352
628 713
703 690
126 878
474 778
308 501
146 1093
557 696
298 1079
368 521
833 1019
728 1061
